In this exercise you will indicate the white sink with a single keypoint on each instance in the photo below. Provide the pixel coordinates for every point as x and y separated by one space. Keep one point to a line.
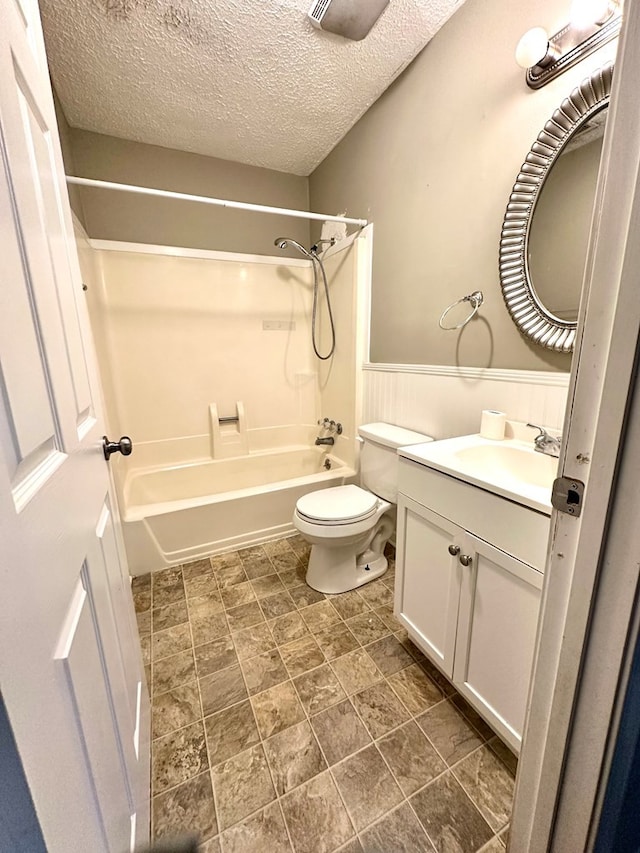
510 468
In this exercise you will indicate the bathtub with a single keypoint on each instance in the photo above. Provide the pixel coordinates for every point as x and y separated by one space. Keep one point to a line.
178 513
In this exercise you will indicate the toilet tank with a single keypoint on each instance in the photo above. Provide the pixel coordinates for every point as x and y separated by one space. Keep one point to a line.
379 457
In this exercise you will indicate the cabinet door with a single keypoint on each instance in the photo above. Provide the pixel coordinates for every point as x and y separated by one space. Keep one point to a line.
499 604
428 580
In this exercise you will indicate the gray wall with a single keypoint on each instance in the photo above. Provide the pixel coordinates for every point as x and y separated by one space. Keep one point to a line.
432 164
558 238
110 215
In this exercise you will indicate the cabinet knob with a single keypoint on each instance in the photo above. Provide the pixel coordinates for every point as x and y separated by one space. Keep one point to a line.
454 550
465 559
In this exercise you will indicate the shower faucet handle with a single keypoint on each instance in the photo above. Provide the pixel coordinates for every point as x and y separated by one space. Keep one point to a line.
331 425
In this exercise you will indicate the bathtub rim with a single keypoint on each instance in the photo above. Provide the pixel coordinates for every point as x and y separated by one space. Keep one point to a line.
140 512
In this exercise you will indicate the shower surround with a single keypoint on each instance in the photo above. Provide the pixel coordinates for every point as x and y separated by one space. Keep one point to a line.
188 339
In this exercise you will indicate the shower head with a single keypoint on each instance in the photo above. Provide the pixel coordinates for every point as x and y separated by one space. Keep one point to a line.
318 268
283 242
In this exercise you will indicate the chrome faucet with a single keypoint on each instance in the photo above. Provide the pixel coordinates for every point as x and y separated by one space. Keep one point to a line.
331 427
317 246
545 443
329 440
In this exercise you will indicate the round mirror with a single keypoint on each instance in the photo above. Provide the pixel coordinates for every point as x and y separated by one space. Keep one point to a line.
561 221
546 227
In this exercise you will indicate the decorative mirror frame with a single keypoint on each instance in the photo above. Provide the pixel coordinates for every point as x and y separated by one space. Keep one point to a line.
526 310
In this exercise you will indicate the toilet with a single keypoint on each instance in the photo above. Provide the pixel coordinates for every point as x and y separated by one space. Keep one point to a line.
349 526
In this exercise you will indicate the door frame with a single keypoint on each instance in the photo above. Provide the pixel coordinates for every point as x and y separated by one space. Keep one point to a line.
591 575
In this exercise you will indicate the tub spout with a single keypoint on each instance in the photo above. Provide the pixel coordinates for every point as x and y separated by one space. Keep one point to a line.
329 440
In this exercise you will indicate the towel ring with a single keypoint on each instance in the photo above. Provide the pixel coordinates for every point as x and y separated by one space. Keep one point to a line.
476 299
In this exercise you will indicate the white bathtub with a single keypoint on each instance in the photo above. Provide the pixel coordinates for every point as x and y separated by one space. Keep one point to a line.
178 513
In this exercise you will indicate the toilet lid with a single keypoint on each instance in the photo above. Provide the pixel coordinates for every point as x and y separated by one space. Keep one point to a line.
340 503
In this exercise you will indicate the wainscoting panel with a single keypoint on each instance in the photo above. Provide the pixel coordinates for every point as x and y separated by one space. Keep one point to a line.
447 401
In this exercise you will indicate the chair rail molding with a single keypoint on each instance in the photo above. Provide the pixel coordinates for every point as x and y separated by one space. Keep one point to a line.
495 374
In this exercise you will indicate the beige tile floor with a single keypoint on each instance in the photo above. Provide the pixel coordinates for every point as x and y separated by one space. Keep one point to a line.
286 720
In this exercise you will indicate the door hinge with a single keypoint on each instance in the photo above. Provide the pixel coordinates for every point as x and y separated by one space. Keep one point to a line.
567 495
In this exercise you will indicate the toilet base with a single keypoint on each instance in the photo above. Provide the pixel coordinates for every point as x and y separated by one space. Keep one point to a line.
335 570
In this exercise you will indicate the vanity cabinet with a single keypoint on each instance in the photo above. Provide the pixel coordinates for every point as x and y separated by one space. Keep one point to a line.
468 585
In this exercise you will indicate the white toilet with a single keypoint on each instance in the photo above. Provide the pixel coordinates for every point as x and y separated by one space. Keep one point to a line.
349 526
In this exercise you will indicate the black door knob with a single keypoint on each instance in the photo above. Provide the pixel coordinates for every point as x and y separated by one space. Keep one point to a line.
124 446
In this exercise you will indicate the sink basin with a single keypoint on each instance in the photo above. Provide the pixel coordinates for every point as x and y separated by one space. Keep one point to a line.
509 463
510 468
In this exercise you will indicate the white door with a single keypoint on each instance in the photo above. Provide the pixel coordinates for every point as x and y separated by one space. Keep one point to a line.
70 667
499 608
428 580
590 589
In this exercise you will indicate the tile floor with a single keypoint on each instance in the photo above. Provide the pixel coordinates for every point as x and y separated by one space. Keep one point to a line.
286 720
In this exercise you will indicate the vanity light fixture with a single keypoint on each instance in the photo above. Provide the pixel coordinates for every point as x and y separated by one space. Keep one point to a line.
593 23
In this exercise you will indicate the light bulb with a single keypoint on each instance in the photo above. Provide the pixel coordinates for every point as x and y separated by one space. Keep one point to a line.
532 47
586 13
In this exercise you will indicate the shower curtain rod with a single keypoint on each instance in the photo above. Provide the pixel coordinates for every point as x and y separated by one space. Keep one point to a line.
219 202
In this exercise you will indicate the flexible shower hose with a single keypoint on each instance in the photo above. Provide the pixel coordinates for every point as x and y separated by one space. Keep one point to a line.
314 311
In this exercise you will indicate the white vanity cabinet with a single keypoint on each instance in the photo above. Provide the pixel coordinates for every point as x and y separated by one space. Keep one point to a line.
468 584
428 580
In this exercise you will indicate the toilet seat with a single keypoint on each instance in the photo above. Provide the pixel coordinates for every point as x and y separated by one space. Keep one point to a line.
337 505
347 526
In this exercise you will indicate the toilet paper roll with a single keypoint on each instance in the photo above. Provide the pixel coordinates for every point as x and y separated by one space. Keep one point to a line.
492 424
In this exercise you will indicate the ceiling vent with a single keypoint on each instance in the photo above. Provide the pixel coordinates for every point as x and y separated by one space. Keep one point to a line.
352 19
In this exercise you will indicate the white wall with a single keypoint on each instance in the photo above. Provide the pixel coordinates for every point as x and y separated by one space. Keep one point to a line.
92 282
445 402
347 269
176 333
177 330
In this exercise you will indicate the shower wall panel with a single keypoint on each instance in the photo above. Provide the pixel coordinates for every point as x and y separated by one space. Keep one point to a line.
177 333
340 377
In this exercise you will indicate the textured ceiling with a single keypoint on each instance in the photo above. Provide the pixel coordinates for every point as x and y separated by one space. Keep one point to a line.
245 80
